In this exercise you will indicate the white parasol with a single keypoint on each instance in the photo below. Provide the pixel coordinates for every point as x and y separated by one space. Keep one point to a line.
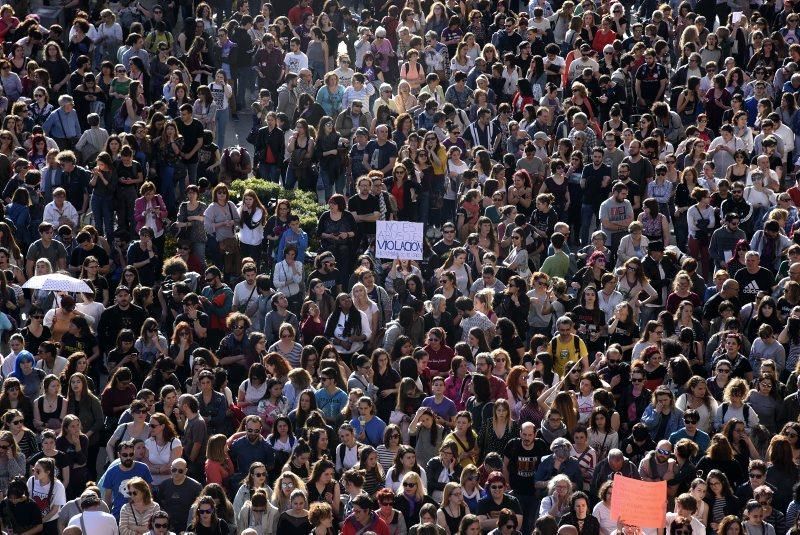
58 283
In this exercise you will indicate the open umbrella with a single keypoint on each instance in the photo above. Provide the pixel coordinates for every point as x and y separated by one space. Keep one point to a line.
58 283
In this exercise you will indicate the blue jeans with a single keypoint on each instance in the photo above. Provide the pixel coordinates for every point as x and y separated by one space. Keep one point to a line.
424 202
270 172
324 187
191 171
103 211
290 181
167 188
222 123
245 80
587 218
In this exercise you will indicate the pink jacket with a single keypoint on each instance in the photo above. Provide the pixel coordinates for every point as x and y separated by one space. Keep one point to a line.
140 207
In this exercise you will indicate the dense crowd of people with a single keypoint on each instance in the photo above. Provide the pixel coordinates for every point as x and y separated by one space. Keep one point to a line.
609 285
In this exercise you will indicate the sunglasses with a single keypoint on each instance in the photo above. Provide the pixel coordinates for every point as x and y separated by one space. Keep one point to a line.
178 471
17 422
159 525
205 511
408 485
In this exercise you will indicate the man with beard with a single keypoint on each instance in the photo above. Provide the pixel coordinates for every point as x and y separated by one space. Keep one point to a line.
122 315
115 480
658 465
520 457
251 448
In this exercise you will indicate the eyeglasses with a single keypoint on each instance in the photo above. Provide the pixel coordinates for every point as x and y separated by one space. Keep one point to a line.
755 475
178 471
253 431
4 446
690 421
497 487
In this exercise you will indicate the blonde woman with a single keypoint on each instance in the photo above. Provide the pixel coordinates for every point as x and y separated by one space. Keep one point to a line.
362 302
404 100
453 508
284 487
134 517
410 497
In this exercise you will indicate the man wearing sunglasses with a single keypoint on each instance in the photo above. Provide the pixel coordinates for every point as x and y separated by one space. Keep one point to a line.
93 519
177 494
114 480
691 431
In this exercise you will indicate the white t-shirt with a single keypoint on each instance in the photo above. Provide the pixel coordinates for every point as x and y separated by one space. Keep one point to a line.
93 310
39 495
96 522
295 62
160 455
59 364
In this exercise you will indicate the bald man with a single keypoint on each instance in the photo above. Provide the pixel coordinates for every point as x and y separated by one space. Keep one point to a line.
177 494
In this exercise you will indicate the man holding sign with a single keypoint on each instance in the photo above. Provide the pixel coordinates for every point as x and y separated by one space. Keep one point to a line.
366 211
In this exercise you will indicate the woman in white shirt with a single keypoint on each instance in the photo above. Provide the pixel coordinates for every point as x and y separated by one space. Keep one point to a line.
701 220
253 218
221 92
163 447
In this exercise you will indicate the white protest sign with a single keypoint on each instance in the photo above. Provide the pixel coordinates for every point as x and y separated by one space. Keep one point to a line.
398 239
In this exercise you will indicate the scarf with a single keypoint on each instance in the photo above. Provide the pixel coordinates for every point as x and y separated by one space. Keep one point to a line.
549 435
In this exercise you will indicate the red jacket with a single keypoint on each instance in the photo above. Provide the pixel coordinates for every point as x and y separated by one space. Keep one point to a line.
375 524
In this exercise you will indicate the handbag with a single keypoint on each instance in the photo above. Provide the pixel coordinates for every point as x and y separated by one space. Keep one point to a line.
230 248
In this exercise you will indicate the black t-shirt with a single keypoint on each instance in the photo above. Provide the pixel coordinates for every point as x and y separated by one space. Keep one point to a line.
487 505
593 192
79 254
202 317
379 156
20 517
522 465
124 172
329 280
60 457
750 284
149 272
650 79
191 133
367 206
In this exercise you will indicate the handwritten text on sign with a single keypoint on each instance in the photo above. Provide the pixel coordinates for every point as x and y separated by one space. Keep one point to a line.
639 503
398 239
